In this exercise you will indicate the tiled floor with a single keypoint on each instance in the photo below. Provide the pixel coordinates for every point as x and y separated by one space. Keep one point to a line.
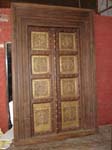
99 141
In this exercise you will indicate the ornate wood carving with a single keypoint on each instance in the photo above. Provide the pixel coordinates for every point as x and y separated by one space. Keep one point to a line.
69 87
41 88
40 64
68 64
39 41
53 73
70 114
42 117
67 41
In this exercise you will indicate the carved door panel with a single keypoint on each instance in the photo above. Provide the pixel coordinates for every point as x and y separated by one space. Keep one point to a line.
68 78
42 80
54 79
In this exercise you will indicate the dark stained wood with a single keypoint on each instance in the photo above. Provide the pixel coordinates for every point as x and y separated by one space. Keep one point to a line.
91 4
30 17
5 4
52 2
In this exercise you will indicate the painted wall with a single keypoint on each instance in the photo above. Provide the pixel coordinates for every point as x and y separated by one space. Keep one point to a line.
103 42
5 36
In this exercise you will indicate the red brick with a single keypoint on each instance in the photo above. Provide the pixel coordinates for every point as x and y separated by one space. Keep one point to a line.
103 42
5 36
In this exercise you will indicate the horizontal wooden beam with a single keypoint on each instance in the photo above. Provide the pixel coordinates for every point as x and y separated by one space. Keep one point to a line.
91 4
74 3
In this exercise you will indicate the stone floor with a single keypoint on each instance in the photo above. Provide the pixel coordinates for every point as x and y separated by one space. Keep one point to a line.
100 141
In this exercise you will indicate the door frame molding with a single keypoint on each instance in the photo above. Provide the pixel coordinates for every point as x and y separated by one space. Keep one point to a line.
25 15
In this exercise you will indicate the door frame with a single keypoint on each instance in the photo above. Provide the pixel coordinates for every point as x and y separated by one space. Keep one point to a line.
25 15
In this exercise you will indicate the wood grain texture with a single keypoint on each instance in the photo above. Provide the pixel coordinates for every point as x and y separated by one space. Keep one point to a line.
54 20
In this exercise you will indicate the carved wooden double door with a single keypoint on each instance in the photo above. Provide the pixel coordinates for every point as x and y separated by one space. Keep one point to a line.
53 73
55 79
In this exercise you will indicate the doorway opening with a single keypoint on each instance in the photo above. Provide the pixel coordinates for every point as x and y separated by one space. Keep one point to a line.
9 83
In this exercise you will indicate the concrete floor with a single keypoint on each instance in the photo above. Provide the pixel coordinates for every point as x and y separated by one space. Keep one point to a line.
99 141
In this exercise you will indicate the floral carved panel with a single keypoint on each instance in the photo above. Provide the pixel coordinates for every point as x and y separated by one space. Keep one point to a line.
70 114
41 88
69 88
42 117
68 64
39 41
40 64
67 41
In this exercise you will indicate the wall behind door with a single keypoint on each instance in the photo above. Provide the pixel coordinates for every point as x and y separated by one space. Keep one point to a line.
103 41
5 36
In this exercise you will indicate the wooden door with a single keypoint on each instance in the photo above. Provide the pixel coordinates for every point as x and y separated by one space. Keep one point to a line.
53 73
68 79
55 77
42 77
